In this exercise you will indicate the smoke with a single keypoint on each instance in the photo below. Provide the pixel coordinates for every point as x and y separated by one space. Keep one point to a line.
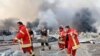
49 18
53 12
12 11
25 10
83 21
9 24
66 10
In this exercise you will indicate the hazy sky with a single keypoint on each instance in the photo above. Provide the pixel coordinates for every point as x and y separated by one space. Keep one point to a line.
23 9
28 9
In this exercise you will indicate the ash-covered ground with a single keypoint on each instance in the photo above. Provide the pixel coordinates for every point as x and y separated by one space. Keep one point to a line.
90 46
86 49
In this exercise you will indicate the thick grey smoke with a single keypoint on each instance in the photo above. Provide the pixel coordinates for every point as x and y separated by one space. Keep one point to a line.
53 12
9 24
66 10
48 17
83 21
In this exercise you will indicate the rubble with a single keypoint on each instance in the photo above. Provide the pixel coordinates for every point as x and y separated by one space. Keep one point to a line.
88 36
7 48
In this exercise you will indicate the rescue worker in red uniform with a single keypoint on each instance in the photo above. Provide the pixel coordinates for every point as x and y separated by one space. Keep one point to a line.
66 40
61 41
24 38
73 42
32 36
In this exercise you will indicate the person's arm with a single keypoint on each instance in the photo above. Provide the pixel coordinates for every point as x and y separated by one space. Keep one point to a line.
19 35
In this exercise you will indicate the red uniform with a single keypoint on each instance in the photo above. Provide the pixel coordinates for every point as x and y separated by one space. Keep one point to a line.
62 39
24 38
73 42
66 41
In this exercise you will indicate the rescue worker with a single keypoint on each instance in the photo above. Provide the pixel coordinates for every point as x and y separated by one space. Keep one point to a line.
73 42
24 38
44 38
32 36
61 41
66 41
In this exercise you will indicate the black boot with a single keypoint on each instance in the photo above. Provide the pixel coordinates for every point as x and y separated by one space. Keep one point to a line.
49 47
43 49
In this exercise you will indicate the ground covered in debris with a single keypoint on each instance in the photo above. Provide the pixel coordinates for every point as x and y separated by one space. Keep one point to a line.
86 49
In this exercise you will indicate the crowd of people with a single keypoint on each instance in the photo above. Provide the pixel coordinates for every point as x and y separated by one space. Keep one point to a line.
67 39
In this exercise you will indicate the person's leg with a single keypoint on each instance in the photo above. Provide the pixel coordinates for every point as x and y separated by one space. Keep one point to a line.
69 52
24 50
61 46
74 53
46 42
66 48
42 44
30 51
66 44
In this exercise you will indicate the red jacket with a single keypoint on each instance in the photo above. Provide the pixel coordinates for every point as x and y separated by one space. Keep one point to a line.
23 37
73 41
62 35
